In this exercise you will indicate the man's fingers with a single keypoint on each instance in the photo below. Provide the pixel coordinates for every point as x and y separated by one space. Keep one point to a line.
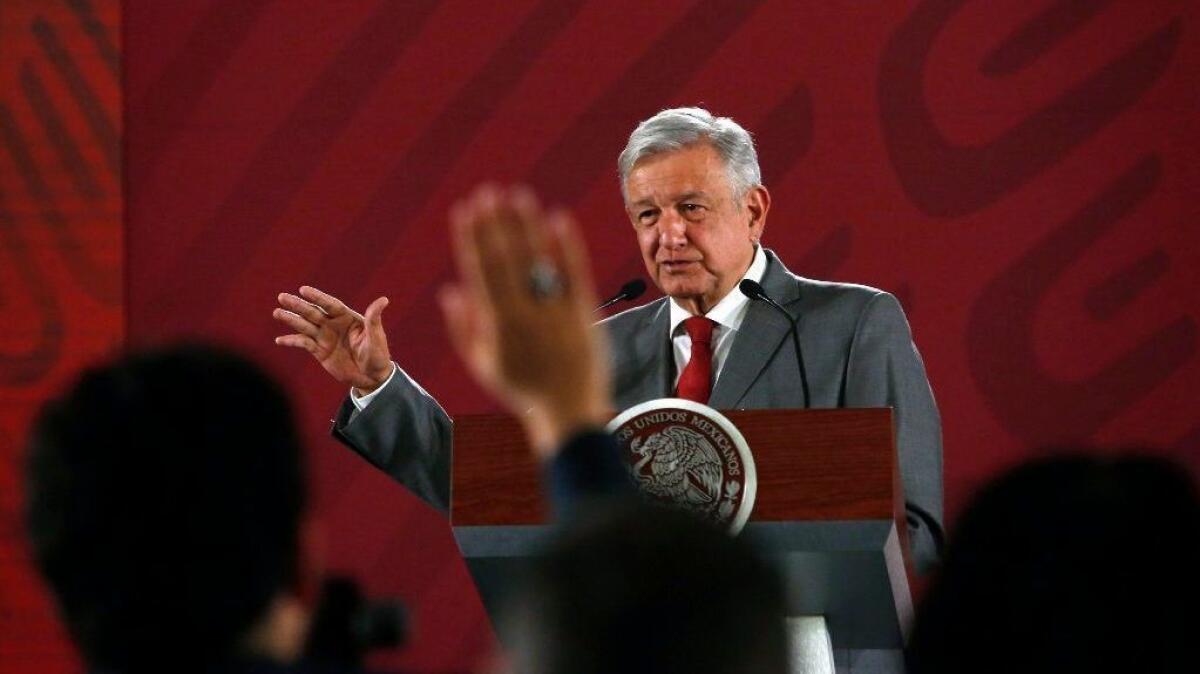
500 261
519 222
567 249
520 228
450 299
531 222
331 305
298 341
295 322
466 255
500 239
373 316
486 248
309 311
525 202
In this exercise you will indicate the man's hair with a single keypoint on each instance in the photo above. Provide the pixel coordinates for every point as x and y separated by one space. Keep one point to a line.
165 492
678 128
1070 564
640 589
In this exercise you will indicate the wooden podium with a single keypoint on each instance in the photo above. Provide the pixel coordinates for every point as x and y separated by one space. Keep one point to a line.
829 512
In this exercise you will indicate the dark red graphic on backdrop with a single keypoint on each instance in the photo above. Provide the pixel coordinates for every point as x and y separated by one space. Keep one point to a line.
1021 175
60 258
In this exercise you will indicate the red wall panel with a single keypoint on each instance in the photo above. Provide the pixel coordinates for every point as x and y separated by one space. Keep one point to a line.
1020 174
61 259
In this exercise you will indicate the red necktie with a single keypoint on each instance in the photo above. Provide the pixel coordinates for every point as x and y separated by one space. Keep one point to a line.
696 381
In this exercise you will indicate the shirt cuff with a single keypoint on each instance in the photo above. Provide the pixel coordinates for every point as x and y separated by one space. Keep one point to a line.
361 402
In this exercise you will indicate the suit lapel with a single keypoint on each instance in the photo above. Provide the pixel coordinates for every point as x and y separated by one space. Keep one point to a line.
651 347
761 334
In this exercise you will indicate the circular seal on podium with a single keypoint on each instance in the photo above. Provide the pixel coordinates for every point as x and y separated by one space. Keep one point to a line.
690 456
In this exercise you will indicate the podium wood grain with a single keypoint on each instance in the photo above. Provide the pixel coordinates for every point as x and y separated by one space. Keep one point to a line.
828 464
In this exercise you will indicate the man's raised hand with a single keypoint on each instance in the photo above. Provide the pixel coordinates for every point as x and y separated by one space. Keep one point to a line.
350 346
520 313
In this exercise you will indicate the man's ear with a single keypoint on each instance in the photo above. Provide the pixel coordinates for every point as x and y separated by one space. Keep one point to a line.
758 202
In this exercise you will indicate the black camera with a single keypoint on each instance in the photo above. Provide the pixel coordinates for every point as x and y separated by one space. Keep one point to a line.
347 626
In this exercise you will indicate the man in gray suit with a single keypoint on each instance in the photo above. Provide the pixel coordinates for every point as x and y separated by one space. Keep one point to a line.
694 194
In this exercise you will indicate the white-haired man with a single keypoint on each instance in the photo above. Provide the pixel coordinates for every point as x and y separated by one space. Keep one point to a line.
694 194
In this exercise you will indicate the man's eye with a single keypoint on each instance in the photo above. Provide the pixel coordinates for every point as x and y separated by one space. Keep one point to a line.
645 215
692 208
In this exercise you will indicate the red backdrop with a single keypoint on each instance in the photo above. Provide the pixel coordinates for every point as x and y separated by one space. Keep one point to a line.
60 257
1021 175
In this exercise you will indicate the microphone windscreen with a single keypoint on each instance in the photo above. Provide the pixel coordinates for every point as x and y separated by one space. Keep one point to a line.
633 289
752 289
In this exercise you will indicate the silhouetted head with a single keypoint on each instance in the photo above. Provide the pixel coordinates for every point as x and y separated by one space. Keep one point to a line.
641 589
165 497
1068 564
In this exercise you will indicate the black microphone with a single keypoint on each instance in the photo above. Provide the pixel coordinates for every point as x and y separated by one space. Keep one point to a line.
755 291
629 291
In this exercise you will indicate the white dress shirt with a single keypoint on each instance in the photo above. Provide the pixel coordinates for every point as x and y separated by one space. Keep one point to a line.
727 314
362 402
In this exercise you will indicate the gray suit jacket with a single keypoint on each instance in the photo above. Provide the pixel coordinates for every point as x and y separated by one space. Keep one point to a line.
858 352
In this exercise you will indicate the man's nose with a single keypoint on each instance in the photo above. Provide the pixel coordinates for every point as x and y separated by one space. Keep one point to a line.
672 231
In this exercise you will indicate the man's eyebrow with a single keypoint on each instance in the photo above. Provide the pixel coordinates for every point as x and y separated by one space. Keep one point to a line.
693 194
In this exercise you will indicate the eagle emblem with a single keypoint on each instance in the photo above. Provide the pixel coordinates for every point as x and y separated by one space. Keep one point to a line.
679 465
689 456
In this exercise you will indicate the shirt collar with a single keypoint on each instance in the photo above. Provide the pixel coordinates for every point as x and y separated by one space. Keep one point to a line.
730 311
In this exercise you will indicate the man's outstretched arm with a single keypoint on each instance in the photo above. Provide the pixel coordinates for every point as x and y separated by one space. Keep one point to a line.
404 432
388 418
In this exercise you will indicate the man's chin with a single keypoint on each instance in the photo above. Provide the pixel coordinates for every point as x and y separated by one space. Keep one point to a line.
682 292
